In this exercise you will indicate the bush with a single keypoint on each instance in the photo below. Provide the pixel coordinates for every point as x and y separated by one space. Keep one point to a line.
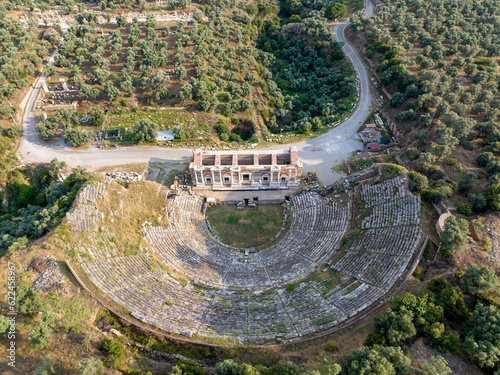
90 366
116 352
477 201
291 287
97 115
481 342
451 161
180 132
435 366
145 131
419 272
438 175
464 209
75 311
455 234
184 367
332 346
419 183
480 281
76 136
386 360
375 339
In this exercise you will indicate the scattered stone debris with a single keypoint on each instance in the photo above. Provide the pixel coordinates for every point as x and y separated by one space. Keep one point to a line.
128 176
46 273
495 246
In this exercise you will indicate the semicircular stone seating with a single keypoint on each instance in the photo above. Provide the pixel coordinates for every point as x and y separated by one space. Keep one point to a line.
303 284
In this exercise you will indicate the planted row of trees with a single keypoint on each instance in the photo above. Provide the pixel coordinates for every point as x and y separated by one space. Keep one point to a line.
448 94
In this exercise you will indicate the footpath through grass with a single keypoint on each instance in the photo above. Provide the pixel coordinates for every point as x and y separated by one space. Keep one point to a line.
250 227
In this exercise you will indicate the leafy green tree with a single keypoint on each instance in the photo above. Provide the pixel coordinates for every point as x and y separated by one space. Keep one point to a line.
56 166
145 131
465 209
185 93
111 91
76 136
419 183
482 343
49 70
375 339
45 368
396 100
435 366
336 11
441 339
4 324
396 326
367 361
41 335
198 16
151 21
121 20
480 281
477 201
27 299
451 299
180 72
485 158
180 132
455 234
90 366
97 115
468 181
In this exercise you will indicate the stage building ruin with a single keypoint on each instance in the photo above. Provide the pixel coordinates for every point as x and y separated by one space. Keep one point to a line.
244 170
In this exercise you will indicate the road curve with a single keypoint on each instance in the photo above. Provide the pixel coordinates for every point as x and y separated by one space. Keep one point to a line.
318 154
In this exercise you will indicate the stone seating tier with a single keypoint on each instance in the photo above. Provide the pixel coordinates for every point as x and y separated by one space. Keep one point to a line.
213 290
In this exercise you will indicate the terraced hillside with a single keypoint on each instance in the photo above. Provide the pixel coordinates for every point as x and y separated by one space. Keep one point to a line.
339 256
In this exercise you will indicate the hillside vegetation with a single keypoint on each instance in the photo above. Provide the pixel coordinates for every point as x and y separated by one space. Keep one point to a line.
439 62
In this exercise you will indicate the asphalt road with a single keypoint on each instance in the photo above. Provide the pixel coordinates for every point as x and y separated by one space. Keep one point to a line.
319 154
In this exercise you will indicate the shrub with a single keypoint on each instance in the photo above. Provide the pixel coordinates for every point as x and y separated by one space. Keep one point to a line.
76 136
75 312
90 366
375 339
418 183
97 115
291 287
116 352
438 175
480 281
464 209
332 346
487 244
145 131
477 201
419 272
455 234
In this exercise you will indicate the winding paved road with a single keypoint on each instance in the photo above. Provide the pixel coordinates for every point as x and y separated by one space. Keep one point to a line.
318 154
